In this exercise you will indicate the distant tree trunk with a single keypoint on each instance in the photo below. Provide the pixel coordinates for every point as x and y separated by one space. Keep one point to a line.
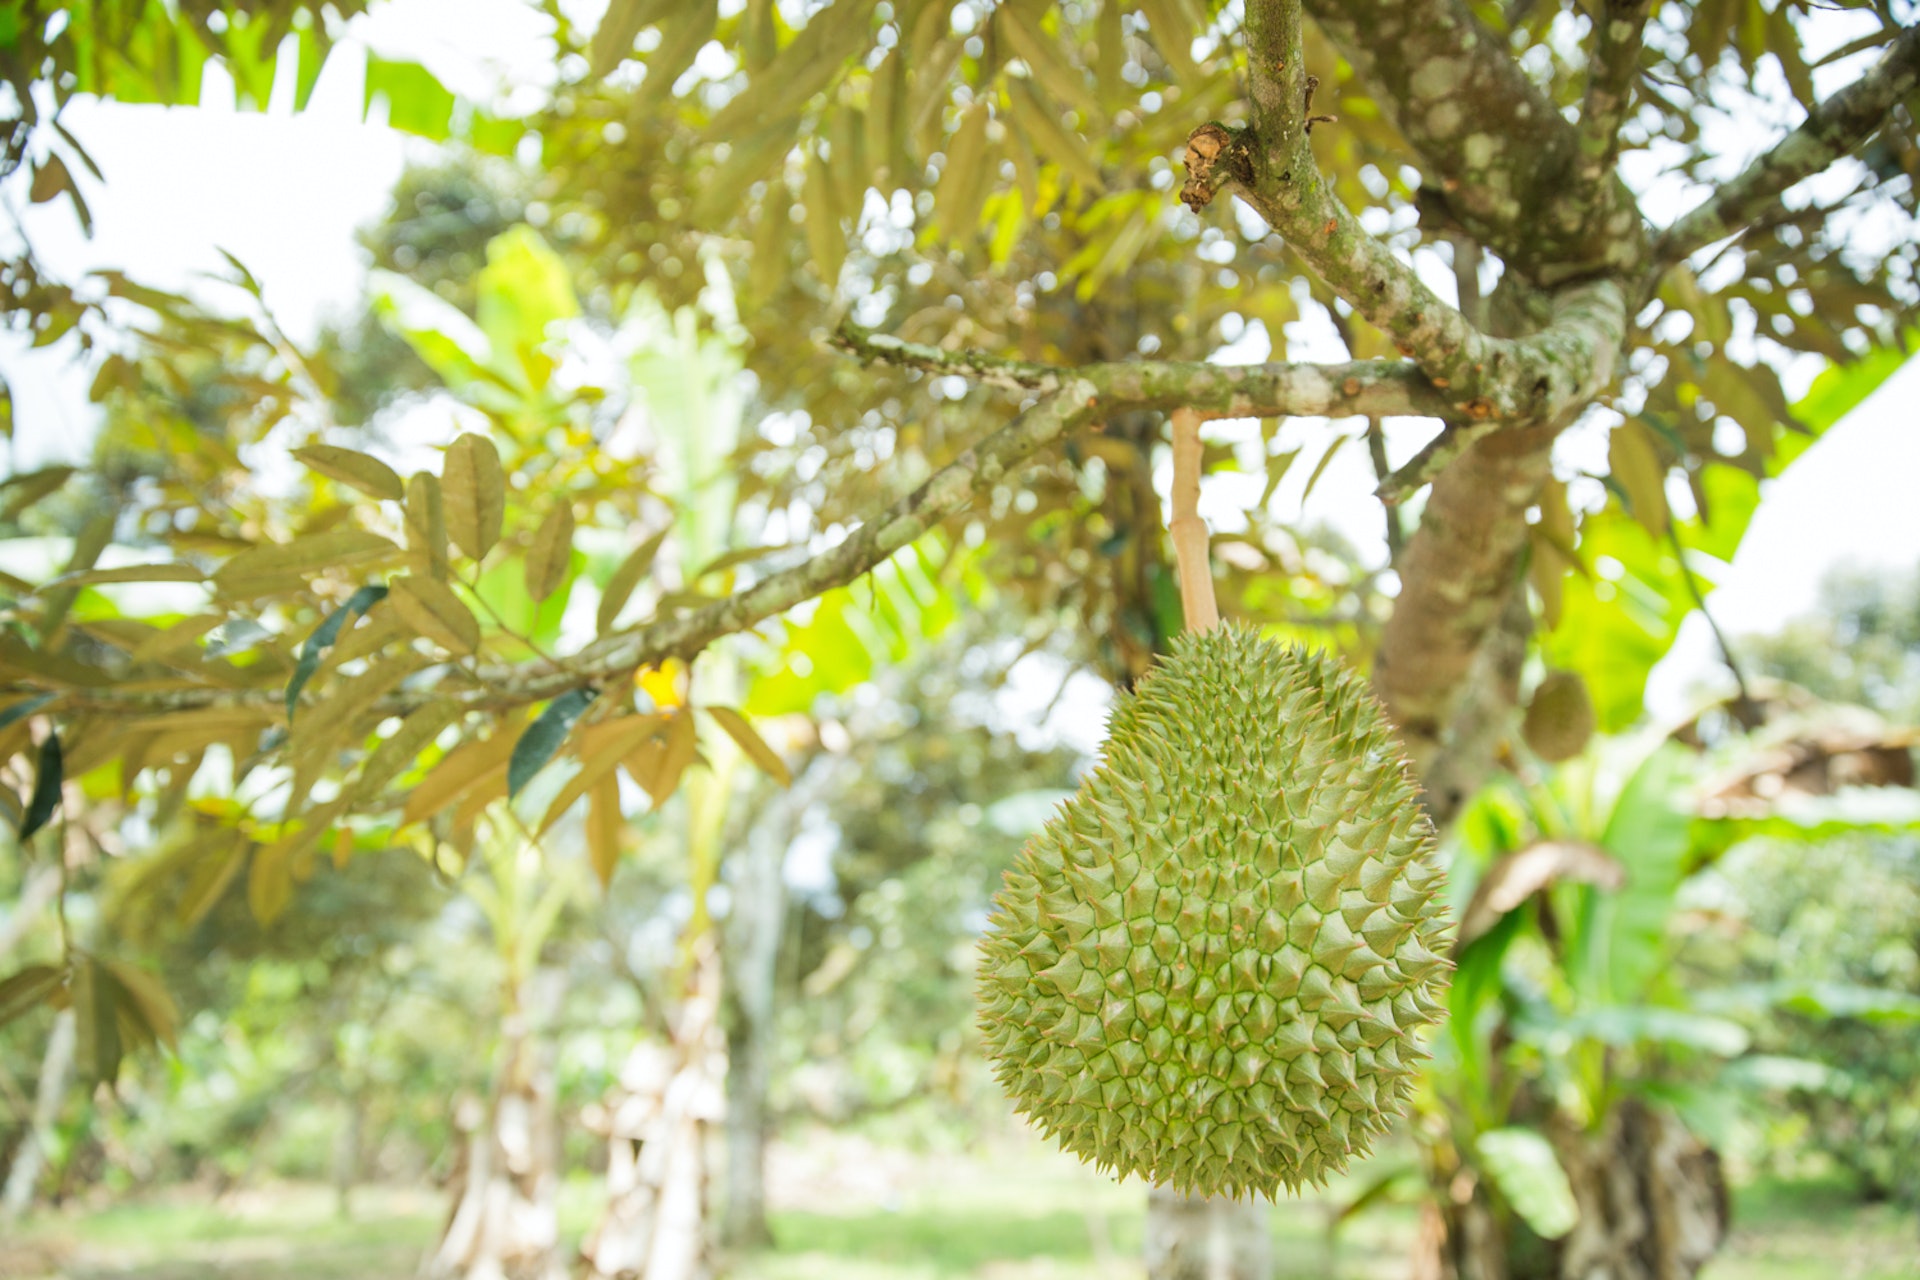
505 1220
1652 1199
655 1224
1195 1238
56 1071
347 1141
754 927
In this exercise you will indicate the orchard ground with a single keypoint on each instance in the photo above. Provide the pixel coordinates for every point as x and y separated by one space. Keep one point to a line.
848 1209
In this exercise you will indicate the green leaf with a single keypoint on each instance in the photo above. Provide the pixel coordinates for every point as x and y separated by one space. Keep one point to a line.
27 990
417 103
354 469
625 578
18 711
551 553
323 638
1635 465
48 776
432 610
17 493
96 1010
473 488
1521 1163
522 293
544 736
143 1000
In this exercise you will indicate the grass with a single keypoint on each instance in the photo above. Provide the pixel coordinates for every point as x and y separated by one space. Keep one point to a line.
854 1211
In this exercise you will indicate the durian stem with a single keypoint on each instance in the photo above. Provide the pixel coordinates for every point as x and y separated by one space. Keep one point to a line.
1187 529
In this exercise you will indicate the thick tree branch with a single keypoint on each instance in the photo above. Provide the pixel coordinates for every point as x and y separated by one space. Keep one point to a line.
1486 379
1502 154
1831 130
1619 31
1459 569
1387 388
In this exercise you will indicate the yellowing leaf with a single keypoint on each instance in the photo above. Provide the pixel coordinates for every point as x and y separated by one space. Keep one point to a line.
432 610
396 754
742 732
460 769
474 490
604 825
625 579
427 524
621 738
354 469
275 567
659 771
551 553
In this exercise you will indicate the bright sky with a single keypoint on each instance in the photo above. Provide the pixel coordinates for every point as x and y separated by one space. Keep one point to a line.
284 193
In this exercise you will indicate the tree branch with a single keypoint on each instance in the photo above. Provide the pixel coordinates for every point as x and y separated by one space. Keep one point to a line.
1839 124
1619 31
1501 152
1389 388
947 491
1486 379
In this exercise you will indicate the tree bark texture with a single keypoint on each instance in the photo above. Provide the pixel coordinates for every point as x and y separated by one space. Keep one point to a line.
30 1159
1652 1201
754 928
669 1096
1207 1238
505 1222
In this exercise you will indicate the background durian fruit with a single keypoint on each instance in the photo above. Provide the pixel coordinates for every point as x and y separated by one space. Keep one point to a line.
1559 717
1210 967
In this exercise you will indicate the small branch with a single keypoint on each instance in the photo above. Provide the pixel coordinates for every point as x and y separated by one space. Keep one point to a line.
975 366
1383 387
1619 31
1745 709
1377 451
1831 130
1187 529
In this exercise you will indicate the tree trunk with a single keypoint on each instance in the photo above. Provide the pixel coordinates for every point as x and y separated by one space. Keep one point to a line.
347 1142
655 1224
754 928
56 1070
505 1222
1652 1200
1196 1238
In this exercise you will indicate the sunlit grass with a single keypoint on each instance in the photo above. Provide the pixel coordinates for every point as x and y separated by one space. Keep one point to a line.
859 1212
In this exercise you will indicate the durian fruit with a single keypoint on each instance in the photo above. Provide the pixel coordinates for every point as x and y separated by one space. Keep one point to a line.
1211 967
1559 717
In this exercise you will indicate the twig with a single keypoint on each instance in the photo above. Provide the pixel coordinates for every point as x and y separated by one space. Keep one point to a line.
1745 709
1377 451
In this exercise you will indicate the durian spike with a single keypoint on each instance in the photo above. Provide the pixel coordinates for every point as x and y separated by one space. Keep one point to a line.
1187 529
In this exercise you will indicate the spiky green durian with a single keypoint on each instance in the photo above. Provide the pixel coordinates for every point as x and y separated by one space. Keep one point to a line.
1211 965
